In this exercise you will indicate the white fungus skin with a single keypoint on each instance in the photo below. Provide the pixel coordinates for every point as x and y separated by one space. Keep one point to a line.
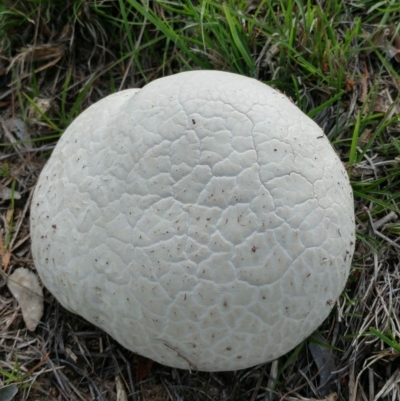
204 221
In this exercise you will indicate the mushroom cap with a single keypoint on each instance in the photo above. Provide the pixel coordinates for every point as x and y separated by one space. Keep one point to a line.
204 221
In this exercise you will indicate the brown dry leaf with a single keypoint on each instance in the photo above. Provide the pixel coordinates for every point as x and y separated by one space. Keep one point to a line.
379 38
121 393
324 64
4 254
365 137
6 260
387 40
44 107
25 287
349 84
384 103
9 215
143 368
381 104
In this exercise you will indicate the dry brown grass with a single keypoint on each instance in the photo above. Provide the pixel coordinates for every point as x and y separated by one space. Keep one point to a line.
71 60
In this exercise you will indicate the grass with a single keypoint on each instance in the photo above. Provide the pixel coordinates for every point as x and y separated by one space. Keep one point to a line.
336 59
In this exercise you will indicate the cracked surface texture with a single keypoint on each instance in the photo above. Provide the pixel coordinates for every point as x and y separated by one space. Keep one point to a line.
204 221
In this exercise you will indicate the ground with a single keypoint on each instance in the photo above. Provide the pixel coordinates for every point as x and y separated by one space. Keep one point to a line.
338 61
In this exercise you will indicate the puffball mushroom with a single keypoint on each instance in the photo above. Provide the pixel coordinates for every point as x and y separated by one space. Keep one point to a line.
204 221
